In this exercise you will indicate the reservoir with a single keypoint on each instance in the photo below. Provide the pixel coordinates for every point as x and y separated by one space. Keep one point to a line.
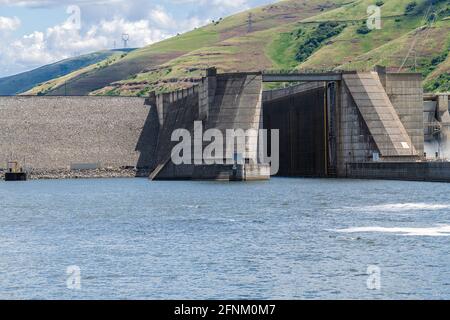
278 239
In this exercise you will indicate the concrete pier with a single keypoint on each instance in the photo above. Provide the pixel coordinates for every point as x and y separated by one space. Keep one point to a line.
221 102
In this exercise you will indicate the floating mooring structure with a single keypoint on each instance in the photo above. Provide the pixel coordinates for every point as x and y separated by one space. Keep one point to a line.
15 172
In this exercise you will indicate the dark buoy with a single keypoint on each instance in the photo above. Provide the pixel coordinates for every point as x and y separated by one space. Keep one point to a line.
15 173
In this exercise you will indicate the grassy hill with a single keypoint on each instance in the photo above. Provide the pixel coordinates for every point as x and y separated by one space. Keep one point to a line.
24 81
291 34
58 86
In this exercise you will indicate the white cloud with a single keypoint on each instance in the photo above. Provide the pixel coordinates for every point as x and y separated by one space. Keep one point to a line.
61 41
64 40
48 3
45 3
9 24
160 17
220 3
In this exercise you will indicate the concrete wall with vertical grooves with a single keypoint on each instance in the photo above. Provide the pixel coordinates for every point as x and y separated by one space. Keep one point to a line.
380 116
405 91
354 141
54 132
237 105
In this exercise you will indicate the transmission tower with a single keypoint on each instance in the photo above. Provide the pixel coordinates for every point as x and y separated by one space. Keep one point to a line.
125 38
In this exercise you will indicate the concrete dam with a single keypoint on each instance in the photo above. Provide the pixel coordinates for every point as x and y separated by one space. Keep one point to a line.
338 124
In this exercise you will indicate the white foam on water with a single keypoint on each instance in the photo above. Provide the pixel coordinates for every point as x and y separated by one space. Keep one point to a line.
438 231
399 207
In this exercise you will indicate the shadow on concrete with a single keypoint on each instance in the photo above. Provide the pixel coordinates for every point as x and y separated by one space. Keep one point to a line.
148 142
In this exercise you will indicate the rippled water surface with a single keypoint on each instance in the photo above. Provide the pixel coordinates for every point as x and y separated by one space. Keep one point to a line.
283 239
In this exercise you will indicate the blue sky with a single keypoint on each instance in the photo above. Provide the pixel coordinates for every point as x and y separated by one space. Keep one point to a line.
38 32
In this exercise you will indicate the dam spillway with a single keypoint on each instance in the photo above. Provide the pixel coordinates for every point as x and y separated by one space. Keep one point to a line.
339 124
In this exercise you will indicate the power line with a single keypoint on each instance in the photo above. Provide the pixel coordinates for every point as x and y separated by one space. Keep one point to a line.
416 37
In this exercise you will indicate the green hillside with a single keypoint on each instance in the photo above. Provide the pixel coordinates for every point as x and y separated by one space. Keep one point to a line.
292 34
24 81
57 84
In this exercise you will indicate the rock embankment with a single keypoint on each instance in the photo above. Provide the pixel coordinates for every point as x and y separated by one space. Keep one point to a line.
81 174
103 173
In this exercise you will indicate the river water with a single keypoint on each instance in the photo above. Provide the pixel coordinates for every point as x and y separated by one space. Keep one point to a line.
283 239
